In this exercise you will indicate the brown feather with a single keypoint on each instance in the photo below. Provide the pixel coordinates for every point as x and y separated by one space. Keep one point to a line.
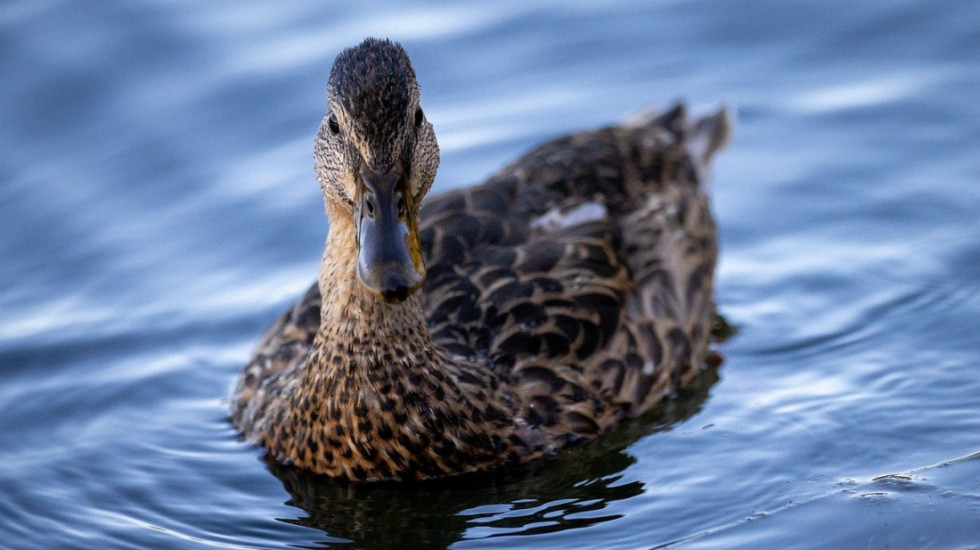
534 328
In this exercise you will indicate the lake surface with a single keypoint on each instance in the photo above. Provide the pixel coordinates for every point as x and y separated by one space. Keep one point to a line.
158 209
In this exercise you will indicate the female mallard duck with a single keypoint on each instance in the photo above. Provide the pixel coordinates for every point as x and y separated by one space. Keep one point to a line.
491 325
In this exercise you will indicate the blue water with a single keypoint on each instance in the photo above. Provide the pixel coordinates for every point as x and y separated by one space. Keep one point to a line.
158 209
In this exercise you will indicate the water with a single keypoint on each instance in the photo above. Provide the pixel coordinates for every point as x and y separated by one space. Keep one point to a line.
159 210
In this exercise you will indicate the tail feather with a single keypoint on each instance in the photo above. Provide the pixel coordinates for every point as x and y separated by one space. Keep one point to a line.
703 137
710 134
670 245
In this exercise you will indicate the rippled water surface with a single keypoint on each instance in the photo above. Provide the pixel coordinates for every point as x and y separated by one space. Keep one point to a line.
158 209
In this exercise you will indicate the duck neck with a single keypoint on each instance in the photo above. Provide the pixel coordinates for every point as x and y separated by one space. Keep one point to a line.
379 399
367 332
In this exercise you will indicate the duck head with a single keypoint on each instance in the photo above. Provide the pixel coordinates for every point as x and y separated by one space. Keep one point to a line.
376 156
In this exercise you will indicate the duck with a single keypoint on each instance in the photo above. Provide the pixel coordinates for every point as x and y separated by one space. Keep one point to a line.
484 328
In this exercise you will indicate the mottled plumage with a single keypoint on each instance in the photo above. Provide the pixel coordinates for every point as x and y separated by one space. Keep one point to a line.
569 291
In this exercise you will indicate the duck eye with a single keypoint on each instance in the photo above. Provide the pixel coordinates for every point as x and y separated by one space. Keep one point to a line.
332 124
418 117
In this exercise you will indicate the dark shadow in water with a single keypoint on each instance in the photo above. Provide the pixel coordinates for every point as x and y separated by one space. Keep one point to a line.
568 492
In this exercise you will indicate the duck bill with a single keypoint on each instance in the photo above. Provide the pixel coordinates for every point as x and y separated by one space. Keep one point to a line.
389 256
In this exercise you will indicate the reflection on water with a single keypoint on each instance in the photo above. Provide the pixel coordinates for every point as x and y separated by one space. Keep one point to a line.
573 491
159 209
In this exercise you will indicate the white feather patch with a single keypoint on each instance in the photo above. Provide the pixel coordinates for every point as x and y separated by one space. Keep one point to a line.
558 217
